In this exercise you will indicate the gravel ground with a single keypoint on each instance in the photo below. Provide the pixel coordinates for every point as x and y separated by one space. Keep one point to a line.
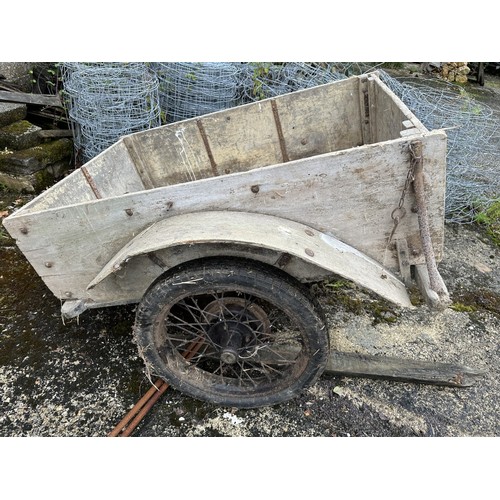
80 378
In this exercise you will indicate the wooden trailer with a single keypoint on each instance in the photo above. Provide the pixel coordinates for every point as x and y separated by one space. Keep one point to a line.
215 225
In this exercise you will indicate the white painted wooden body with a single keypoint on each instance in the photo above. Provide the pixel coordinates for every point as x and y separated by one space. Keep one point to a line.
333 158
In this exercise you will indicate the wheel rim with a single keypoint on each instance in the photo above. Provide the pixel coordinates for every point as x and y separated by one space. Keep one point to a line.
231 342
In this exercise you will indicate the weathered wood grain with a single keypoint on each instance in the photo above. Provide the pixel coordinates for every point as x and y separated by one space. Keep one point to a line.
25 98
261 231
349 194
232 160
364 365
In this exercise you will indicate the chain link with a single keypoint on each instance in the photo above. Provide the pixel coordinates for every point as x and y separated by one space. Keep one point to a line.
399 212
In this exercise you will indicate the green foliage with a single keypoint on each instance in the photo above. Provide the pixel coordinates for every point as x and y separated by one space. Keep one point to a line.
490 219
260 72
45 78
459 307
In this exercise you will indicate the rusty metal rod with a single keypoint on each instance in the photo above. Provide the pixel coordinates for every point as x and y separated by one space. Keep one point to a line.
145 409
124 422
144 405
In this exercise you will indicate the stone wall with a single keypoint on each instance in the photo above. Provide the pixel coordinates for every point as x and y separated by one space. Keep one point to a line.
29 162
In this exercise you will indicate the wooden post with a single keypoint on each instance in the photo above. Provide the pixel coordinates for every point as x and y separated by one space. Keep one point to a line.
435 280
404 264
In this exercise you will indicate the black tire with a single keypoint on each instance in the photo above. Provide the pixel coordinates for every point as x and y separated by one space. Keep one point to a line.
232 332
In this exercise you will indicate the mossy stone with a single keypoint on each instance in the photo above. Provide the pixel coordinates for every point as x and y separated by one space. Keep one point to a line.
28 161
19 135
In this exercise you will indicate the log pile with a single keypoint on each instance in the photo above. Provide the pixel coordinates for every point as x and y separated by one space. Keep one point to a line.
454 72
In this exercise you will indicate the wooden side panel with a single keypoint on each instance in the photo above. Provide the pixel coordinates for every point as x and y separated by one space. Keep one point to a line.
348 194
243 138
321 120
172 154
113 172
73 189
390 117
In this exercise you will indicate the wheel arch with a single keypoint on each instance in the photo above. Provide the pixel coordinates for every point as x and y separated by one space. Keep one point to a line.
297 249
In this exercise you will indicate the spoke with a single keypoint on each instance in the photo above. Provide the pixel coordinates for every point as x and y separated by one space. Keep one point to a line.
194 327
244 371
204 314
196 359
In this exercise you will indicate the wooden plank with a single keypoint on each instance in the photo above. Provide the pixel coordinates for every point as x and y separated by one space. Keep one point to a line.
364 365
404 260
320 120
349 194
54 134
71 190
393 119
409 132
422 278
243 138
391 102
113 172
24 98
171 154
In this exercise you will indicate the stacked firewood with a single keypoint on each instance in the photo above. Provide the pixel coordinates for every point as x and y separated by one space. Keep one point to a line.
455 71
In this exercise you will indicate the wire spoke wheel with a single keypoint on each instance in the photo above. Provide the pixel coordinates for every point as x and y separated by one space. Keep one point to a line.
232 332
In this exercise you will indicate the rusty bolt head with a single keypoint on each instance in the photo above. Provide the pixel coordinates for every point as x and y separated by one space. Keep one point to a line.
255 189
129 211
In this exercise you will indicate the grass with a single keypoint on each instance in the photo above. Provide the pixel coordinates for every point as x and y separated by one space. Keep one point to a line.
490 219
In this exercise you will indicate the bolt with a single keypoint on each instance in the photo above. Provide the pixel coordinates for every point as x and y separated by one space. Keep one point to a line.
129 211
309 232
48 264
303 142
24 230
309 252
68 294
255 189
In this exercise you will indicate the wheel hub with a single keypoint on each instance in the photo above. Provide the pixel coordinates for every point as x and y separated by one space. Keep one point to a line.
231 339
236 326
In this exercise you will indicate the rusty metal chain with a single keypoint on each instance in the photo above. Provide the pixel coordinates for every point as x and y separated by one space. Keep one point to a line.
399 212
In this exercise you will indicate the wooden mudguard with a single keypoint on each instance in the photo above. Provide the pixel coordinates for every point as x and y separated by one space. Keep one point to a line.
267 232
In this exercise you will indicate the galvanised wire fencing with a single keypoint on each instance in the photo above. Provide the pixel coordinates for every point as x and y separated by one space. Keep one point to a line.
107 100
